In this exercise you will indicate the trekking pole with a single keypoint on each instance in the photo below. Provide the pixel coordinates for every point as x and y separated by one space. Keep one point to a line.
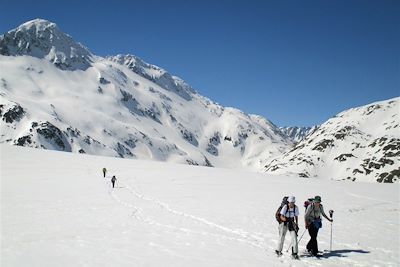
298 242
331 214
302 235
290 245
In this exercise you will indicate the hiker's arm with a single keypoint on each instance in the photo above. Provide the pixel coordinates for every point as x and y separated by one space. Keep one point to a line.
323 214
297 220
326 217
282 214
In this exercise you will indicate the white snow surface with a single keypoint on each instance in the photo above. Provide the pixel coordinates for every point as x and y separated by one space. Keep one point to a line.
58 210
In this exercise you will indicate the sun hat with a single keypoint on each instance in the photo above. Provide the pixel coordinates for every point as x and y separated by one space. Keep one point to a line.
317 199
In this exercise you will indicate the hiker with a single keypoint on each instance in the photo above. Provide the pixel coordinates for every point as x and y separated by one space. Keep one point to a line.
113 179
104 172
313 223
289 221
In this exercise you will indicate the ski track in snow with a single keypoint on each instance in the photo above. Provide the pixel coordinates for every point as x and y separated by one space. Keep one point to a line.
155 224
256 240
245 237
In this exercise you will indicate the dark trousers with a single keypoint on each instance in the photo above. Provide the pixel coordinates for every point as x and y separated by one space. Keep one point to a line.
113 182
104 174
313 244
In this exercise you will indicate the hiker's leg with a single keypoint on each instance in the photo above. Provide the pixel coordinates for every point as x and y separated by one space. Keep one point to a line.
309 244
313 242
295 246
282 233
316 242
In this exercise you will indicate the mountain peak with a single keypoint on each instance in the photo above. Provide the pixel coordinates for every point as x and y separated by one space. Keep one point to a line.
43 39
39 24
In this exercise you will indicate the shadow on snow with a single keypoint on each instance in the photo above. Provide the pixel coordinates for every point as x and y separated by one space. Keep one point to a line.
343 252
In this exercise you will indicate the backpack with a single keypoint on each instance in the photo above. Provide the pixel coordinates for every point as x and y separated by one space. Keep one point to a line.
278 211
308 202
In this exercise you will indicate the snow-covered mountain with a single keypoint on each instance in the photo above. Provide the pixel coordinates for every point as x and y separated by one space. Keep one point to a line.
361 144
55 94
297 134
43 39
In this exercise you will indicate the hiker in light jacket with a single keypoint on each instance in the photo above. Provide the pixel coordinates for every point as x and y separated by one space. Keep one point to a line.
289 216
313 223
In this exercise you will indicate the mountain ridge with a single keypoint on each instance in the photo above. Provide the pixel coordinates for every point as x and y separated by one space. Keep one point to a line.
55 94
361 143
296 133
121 106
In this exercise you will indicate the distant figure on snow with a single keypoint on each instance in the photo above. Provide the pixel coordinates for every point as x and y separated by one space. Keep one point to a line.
104 172
113 179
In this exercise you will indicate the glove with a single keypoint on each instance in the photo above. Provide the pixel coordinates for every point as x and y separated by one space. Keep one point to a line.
296 227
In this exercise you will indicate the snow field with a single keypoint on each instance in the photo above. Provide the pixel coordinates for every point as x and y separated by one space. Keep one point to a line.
58 210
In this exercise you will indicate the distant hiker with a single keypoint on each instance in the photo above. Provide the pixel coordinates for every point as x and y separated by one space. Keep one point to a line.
113 179
104 172
289 221
313 223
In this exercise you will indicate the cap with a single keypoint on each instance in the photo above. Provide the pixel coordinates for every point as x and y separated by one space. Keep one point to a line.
291 199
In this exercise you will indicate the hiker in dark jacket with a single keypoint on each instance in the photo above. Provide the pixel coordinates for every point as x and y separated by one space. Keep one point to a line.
313 223
113 180
104 172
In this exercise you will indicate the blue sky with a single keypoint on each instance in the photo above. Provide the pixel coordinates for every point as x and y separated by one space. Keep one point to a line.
293 62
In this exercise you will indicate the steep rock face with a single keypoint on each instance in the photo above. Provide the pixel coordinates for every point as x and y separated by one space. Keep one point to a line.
360 144
297 134
118 106
43 39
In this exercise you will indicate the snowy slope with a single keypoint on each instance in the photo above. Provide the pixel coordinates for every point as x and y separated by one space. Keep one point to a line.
361 144
58 210
55 94
297 134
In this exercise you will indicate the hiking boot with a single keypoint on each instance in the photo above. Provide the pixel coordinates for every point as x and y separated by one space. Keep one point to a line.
295 256
278 253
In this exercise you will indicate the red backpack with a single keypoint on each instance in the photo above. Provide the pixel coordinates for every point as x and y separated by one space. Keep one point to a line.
308 202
